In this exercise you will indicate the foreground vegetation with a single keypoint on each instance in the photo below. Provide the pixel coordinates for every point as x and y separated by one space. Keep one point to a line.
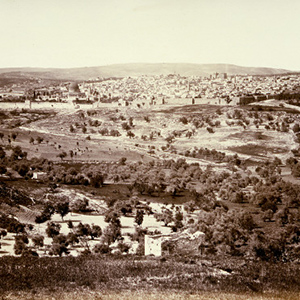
118 274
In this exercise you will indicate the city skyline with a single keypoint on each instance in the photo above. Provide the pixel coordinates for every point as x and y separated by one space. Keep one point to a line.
68 34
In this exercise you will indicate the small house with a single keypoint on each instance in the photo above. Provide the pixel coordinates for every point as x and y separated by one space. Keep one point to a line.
183 241
39 175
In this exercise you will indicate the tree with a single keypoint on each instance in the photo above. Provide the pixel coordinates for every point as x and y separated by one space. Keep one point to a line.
14 136
178 219
113 231
183 120
20 244
96 180
71 153
72 238
139 217
238 197
165 216
264 248
175 184
38 240
62 208
189 134
59 245
52 229
95 231
130 134
210 130
3 169
58 203
296 128
102 248
122 161
114 132
245 220
22 169
18 153
282 216
296 170
131 122
2 153
48 211
31 141
83 229
125 126
2 234
39 139
62 155
80 205
170 139
103 131
1 135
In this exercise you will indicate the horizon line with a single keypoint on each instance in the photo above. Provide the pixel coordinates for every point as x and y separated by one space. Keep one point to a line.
146 63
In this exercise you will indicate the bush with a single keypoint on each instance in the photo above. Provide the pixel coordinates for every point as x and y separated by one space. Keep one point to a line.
210 130
102 249
11 224
79 205
183 120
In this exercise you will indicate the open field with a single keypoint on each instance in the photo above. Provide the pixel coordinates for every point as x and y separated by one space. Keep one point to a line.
139 295
110 277
86 133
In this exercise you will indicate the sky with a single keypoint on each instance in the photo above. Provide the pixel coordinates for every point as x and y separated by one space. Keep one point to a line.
83 33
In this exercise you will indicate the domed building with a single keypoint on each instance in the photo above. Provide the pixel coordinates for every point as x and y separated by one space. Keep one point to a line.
74 92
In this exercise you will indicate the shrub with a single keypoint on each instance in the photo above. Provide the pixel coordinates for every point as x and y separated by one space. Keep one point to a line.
102 249
183 120
210 130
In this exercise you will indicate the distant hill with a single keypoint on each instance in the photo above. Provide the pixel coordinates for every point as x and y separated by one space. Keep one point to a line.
134 69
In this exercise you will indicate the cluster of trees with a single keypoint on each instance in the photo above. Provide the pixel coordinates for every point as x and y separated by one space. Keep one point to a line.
13 196
235 232
111 132
39 140
212 155
54 204
15 118
61 243
89 175
226 231
79 234
167 216
18 162
11 224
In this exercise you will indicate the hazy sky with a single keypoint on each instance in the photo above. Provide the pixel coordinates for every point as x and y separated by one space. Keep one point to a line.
78 33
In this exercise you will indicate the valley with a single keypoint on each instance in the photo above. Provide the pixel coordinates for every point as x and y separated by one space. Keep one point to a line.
90 182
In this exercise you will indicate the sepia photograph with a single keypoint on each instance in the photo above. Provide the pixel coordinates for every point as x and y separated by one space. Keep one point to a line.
149 149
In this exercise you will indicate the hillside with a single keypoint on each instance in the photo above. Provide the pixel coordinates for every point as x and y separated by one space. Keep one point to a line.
135 69
85 186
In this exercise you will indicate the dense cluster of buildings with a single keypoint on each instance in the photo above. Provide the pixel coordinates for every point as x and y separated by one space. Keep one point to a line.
152 89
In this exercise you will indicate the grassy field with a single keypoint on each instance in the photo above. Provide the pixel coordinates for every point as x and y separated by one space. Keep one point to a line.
84 294
108 277
162 122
